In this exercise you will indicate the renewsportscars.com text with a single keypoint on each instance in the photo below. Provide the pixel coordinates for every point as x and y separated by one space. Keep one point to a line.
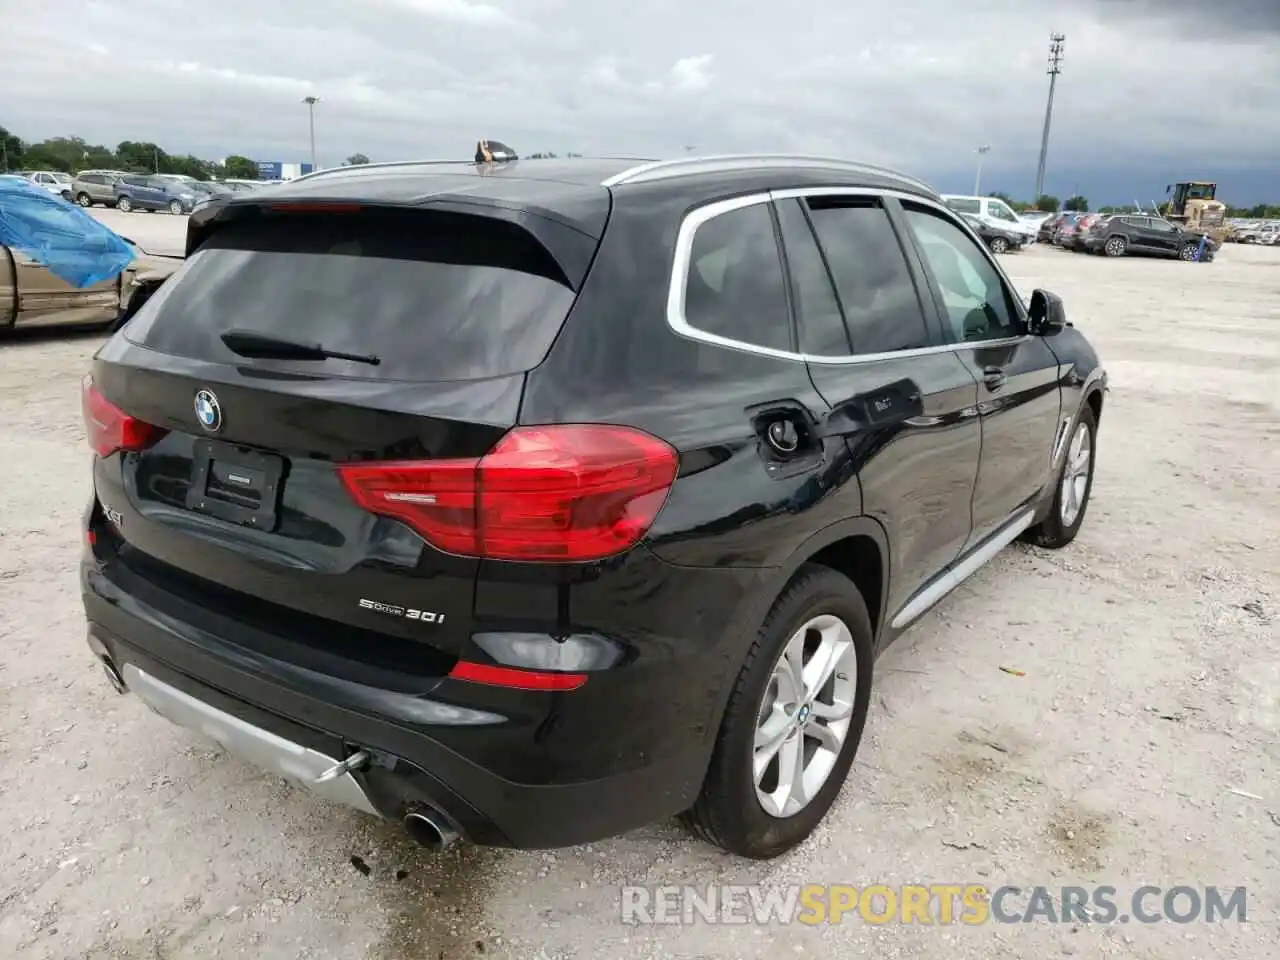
968 904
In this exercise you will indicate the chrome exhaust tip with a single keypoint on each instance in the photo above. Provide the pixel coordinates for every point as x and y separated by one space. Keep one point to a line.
113 676
430 829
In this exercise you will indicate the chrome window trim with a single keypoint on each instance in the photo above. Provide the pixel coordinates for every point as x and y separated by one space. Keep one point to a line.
684 252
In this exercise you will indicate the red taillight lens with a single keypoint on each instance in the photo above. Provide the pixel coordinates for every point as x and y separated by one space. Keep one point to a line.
514 678
109 428
553 493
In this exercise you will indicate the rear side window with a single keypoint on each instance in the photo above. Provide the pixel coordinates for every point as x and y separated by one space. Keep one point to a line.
965 206
734 287
822 330
434 297
874 284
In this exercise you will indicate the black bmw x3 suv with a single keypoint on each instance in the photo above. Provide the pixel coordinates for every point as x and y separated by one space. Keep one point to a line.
531 502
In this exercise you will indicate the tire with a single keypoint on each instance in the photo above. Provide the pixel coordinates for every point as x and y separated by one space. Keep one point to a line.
124 204
999 245
66 195
1115 246
84 199
1188 252
175 207
729 811
1060 527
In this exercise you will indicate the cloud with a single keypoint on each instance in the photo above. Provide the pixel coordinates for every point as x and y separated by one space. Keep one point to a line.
692 73
460 11
1151 90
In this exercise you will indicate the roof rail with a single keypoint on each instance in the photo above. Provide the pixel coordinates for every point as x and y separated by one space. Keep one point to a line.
683 166
381 164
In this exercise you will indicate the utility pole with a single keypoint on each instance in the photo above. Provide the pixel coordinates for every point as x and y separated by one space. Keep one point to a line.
982 151
311 116
1056 40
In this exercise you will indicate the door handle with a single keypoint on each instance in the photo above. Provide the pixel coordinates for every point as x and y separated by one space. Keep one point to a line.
993 377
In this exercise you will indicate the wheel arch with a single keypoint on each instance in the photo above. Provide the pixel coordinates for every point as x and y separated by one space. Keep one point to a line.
858 548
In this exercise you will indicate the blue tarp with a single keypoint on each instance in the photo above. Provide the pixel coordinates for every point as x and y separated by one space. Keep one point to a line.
60 235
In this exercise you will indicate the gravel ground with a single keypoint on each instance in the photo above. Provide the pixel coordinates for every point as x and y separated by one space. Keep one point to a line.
1152 671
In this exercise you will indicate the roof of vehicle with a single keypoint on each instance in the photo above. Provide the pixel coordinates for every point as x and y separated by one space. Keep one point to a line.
573 191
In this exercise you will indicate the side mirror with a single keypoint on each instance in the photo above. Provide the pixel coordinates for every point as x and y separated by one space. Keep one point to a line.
1046 313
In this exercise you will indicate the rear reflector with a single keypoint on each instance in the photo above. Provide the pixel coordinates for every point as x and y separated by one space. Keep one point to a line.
551 493
515 679
108 428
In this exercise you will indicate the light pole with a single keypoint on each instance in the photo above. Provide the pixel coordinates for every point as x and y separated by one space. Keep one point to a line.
982 151
1056 41
311 118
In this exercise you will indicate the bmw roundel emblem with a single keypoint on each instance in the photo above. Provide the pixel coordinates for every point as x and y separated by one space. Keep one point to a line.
208 411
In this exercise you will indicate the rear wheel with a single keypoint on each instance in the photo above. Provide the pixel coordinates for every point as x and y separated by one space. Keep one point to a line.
1115 247
84 199
793 722
999 245
124 204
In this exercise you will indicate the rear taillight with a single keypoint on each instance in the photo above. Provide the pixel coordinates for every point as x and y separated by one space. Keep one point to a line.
550 493
109 428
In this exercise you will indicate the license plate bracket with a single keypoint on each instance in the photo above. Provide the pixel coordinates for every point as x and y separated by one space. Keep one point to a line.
235 484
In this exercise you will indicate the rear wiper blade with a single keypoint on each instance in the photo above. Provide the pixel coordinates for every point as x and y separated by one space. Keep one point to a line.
247 343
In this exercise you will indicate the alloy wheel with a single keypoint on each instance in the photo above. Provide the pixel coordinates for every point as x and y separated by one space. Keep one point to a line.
804 717
1075 474
1115 247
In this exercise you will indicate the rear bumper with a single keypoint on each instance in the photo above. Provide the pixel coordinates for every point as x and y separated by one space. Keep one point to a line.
296 724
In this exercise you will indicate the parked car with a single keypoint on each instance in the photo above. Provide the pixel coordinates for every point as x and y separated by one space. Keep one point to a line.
603 510
1153 236
1066 229
31 295
1074 239
55 181
992 211
148 192
999 239
1262 233
1045 232
204 189
95 186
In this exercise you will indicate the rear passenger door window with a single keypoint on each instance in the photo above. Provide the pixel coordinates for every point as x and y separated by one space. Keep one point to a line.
877 294
976 301
821 325
734 287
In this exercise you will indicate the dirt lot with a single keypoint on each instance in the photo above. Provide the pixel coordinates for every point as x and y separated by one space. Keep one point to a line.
1152 676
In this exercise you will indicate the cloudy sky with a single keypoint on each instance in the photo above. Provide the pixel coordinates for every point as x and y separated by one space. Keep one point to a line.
1151 90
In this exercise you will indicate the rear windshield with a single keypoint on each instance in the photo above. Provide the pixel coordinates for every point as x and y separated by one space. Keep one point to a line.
432 296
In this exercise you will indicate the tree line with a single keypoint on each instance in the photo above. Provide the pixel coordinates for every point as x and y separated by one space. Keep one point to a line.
73 154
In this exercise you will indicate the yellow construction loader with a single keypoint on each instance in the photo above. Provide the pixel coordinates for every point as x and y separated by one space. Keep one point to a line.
1192 205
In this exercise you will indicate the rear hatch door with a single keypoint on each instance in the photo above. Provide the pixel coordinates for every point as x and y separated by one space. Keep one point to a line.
239 505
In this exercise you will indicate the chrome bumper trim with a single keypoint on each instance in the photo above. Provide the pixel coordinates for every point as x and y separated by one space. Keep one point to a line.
295 763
